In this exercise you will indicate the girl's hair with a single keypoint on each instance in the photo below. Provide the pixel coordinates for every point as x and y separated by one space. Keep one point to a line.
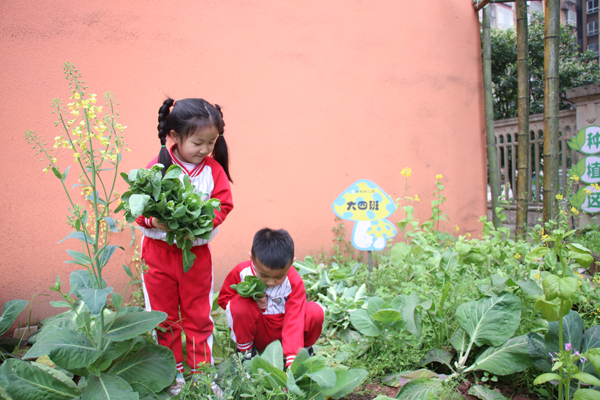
189 116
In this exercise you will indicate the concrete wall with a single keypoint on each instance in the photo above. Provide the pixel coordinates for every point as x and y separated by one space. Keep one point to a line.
315 94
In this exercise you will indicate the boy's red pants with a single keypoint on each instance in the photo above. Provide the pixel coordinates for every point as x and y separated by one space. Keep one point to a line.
249 325
169 289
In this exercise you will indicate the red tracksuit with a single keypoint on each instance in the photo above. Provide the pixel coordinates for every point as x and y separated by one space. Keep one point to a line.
167 288
288 317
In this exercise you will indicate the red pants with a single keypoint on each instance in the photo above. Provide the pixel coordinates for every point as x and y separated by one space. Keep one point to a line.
169 289
249 325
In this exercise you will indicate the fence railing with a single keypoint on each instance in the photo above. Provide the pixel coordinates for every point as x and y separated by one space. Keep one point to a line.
507 148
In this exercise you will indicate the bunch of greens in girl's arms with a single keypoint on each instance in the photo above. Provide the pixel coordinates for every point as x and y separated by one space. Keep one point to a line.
172 202
251 286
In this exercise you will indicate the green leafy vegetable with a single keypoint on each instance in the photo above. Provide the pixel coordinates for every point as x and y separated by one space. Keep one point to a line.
251 287
173 202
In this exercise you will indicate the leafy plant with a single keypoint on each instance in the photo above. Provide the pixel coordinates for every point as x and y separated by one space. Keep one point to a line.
548 356
307 376
557 300
340 303
251 286
105 348
173 202
381 317
10 312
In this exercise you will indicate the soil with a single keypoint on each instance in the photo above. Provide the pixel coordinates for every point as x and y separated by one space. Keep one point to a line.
374 389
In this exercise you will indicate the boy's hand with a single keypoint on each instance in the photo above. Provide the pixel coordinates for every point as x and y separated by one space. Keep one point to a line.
262 303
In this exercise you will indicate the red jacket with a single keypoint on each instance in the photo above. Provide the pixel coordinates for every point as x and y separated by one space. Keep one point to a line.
289 299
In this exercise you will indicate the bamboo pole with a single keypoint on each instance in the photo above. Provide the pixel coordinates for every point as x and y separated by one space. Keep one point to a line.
551 106
523 131
492 154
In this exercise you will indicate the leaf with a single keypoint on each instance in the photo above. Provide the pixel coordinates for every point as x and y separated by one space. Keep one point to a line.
374 305
538 352
67 348
29 382
437 355
553 310
593 356
345 383
555 286
546 378
108 387
587 378
538 252
530 287
110 222
460 341
10 312
82 279
273 354
137 203
419 389
173 172
151 367
80 258
512 356
572 333
387 316
586 394
279 378
188 259
484 393
449 260
78 235
362 323
410 314
325 378
130 325
95 299
105 254
491 320
399 252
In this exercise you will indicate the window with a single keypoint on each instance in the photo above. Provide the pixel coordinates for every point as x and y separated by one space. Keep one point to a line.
504 18
592 6
571 17
535 6
593 48
592 28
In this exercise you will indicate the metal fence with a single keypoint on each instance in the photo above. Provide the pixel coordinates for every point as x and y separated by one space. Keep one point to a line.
507 147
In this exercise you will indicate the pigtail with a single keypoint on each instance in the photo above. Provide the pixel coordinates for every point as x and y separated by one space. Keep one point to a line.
164 157
221 152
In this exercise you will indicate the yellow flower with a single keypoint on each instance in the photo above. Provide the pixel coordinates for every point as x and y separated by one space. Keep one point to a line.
517 256
574 211
587 191
438 176
417 197
576 178
559 196
76 155
456 227
596 186
468 234
406 172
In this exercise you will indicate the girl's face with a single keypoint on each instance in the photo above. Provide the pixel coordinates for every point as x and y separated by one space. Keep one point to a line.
194 148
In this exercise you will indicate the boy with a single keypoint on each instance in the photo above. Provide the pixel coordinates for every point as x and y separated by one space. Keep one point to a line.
283 314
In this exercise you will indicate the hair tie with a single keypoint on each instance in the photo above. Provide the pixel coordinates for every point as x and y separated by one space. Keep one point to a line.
163 145
221 135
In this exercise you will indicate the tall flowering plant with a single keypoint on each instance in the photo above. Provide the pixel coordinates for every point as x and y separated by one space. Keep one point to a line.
100 345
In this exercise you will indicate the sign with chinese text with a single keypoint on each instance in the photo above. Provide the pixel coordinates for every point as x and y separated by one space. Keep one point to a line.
368 206
587 140
588 199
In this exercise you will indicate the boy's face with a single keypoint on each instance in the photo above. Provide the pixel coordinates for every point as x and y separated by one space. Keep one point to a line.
271 277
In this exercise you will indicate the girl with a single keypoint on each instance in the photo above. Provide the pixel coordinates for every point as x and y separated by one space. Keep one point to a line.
196 128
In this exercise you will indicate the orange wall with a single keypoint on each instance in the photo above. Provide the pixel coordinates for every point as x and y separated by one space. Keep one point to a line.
315 94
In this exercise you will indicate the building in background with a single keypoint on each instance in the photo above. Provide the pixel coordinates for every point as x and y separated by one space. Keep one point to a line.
587 27
582 15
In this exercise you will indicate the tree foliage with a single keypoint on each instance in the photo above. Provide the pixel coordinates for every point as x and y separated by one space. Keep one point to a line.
575 68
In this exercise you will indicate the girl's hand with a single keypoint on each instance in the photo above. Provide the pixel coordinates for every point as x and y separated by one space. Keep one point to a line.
262 303
158 225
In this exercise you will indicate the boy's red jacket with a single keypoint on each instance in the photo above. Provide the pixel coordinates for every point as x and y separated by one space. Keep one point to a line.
289 299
